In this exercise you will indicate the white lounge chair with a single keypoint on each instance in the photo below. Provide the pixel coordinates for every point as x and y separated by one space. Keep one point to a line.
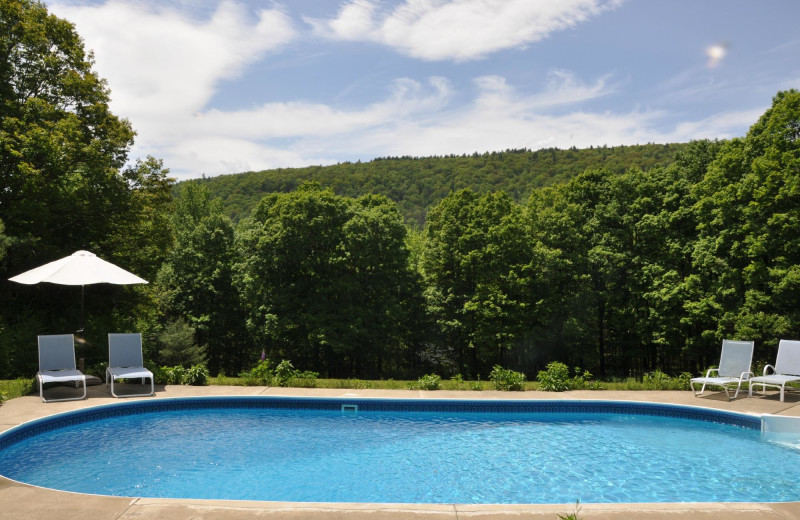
125 361
57 364
786 369
734 368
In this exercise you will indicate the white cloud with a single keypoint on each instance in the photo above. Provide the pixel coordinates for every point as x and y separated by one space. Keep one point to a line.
215 154
413 119
163 65
563 88
407 98
724 125
457 29
500 118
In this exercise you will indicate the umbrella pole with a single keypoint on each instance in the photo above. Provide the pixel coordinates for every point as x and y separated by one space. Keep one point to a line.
81 340
83 319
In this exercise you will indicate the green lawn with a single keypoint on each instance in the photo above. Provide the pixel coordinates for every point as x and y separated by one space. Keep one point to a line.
12 388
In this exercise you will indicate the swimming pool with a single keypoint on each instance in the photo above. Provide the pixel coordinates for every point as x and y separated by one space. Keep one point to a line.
405 451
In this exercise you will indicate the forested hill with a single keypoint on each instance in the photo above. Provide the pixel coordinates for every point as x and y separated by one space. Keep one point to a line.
416 184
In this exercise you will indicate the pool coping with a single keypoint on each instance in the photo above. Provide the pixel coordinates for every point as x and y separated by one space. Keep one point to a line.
23 501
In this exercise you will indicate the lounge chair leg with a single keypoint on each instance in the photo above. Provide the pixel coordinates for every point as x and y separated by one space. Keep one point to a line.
696 393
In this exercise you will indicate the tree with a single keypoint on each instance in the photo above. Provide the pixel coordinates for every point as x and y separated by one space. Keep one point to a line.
323 278
196 279
748 209
479 265
62 148
61 156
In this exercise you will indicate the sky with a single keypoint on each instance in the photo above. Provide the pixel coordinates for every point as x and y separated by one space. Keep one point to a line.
225 86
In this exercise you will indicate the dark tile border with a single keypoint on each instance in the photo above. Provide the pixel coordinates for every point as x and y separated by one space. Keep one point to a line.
39 426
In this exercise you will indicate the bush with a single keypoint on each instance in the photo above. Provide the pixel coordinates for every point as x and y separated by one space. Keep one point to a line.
177 346
169 375
12 388
98 369
427 382
282 375
196 375
682 381
476 386
583 381
658 380
555 377
507 380
261 374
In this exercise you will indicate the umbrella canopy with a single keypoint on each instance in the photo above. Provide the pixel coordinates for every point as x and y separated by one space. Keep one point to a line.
80 268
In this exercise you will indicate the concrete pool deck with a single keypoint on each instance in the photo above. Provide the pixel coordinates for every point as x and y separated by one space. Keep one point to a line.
20 501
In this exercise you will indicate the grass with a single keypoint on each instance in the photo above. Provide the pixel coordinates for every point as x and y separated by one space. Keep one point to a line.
448 384
11 388
379 384
574 514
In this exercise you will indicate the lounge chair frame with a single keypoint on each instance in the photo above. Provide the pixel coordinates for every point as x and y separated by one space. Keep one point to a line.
785 370
57 364
734 368
125 362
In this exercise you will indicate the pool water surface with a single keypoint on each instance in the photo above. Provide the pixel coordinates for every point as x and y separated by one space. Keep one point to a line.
266 450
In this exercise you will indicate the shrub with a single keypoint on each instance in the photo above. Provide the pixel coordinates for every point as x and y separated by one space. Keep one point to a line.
98 369
583 381
658 380
427 382
177 346
505 379
196 375
682 381
261 374
284 373
12 388
169 375
555 377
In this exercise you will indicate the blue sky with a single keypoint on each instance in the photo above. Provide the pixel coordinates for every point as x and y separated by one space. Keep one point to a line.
215 87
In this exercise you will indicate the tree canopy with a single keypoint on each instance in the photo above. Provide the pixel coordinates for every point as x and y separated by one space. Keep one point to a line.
418 184
64 182
619 260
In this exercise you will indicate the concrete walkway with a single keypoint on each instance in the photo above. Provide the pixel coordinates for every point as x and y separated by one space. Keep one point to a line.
20 501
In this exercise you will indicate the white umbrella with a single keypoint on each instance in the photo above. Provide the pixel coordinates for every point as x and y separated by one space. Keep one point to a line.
80 268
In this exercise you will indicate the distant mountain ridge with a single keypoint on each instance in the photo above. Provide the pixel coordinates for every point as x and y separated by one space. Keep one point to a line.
416 184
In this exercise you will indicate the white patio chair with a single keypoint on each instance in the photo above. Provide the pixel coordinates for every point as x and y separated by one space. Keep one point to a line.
57 364
786 369
734 368
125 362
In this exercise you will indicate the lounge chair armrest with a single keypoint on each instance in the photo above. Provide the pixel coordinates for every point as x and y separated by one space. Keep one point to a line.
745 376
708 374
766 368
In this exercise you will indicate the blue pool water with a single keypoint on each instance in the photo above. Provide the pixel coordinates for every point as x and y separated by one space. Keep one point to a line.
403 451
